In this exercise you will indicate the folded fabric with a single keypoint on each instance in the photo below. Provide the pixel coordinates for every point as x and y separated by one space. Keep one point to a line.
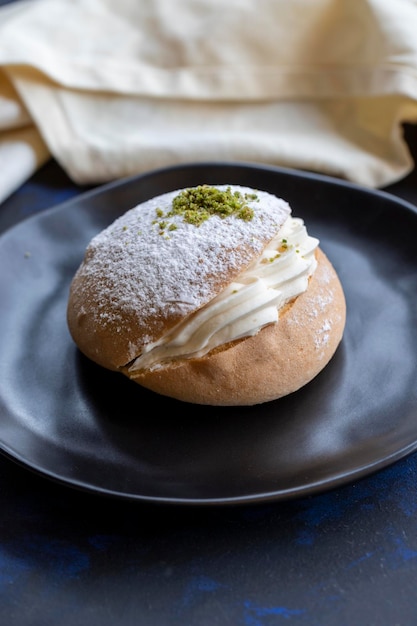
111 88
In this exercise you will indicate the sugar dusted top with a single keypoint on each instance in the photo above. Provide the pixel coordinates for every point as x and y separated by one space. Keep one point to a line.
153 266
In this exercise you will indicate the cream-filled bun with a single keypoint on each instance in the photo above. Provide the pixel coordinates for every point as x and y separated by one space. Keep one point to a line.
212 295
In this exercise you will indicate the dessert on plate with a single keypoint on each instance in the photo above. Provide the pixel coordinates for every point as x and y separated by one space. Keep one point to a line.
213 294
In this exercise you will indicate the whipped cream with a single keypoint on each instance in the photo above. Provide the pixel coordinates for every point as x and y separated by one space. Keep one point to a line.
248 304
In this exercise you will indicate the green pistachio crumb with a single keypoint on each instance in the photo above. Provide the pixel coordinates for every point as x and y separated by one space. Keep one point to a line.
198 204
273 258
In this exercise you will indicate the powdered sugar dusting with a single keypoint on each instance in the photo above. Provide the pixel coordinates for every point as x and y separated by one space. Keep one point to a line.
149 279
320 305
323 334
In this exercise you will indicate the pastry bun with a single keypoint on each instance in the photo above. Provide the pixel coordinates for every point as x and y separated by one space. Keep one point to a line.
211 295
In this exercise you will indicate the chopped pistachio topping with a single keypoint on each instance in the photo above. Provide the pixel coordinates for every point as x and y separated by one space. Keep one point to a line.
283 246
197 204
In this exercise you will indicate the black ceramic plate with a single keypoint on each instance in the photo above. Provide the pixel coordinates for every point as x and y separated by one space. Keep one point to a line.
89 428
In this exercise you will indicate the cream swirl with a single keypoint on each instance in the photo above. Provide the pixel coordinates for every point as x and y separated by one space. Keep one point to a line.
246 305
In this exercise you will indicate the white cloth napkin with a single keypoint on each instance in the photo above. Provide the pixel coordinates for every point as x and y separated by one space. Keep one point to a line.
112 88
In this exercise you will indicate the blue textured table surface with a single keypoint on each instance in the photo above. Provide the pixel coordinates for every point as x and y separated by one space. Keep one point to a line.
345 557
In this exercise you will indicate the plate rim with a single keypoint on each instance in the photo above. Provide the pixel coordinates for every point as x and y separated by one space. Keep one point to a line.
247 165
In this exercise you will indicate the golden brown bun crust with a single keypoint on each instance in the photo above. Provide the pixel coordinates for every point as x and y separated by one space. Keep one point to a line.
280 359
